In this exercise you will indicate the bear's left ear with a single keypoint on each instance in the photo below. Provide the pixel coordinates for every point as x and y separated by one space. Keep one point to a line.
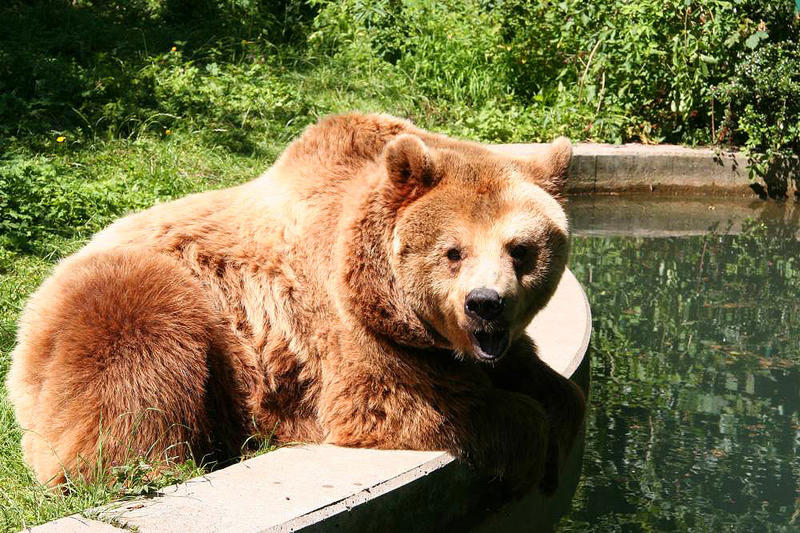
555 163
409 165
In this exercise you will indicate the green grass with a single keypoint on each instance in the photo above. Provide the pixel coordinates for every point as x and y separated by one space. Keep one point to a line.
109 107
82 190
59 194
55 195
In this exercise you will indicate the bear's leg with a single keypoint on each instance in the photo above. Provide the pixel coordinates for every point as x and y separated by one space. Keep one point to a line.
112 364
382 396
522 371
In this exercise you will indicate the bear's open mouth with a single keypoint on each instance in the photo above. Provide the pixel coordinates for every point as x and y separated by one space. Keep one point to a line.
490 345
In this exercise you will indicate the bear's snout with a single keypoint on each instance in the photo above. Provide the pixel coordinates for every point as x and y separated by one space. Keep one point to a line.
483 304
488 331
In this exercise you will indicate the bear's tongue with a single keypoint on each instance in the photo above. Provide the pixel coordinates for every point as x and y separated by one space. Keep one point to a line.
491 345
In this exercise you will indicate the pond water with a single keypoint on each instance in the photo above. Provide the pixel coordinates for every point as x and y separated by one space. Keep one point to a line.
695 405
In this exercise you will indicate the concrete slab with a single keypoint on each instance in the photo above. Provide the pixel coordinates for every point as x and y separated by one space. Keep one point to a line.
75 524
563 328
269 491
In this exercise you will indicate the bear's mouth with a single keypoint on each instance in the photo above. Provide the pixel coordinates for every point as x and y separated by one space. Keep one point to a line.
489 345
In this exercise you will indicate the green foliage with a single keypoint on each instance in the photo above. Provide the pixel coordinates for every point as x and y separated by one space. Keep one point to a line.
45 199
609 71
763 108
24 502
136 477
39 201
121 69
499 70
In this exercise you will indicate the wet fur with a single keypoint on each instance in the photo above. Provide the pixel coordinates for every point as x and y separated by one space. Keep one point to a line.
275 307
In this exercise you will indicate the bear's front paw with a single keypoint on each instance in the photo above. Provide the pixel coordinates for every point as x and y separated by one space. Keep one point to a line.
509 440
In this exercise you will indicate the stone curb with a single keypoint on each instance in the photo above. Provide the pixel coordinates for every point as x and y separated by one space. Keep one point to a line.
328 488
608 168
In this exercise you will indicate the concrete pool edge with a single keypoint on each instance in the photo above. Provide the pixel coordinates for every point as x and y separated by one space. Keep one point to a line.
668 169
315 488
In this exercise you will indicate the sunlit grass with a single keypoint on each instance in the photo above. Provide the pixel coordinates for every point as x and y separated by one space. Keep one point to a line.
112 177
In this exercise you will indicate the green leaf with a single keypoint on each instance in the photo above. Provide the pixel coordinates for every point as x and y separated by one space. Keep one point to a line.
732 39
756 38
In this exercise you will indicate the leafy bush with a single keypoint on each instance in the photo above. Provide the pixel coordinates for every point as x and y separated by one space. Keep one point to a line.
613 71
37 201
94 68
499 70
236 79
763 107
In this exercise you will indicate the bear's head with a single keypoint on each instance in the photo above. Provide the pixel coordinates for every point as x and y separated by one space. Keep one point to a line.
460 247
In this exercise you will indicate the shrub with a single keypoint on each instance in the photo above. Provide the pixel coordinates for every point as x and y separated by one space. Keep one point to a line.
37 201
617 71
763 108
499 70
95 69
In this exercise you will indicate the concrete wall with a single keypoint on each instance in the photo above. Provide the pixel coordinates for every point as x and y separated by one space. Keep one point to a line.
605 168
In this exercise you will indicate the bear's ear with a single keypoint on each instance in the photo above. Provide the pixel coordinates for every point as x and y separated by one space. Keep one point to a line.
409 164
554 166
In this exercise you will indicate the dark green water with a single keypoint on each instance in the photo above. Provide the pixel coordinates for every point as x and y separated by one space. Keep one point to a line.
695 406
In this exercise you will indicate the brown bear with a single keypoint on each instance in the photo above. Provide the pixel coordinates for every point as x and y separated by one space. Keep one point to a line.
371 289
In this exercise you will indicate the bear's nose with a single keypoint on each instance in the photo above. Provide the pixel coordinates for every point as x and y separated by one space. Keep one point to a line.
483 303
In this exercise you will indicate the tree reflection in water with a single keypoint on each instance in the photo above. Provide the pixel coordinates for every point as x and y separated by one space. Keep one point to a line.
695 408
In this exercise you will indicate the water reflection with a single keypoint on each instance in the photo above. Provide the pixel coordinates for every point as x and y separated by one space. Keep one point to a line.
695 418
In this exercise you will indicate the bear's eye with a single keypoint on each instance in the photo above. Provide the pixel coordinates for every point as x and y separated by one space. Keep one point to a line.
454 254
519 252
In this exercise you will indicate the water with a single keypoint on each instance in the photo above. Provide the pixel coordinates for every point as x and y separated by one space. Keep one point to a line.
695 406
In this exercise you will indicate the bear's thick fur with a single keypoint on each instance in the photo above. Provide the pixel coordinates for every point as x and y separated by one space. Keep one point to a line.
333 300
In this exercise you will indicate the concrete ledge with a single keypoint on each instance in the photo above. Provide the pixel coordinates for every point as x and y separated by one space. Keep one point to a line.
603 168
76 524
285 490
327 488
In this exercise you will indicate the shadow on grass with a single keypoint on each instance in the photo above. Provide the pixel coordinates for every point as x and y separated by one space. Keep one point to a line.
76 65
